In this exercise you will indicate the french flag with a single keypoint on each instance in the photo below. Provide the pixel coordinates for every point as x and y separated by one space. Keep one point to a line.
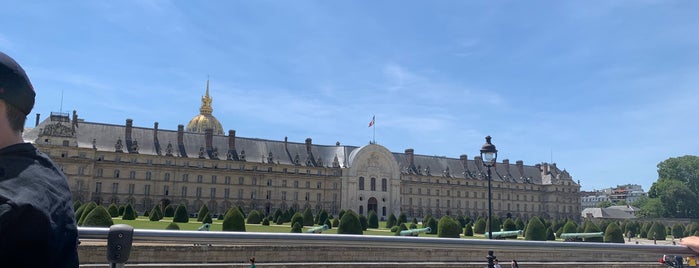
372 121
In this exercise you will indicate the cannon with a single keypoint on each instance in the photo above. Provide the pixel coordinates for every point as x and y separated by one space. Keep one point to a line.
415 232
503 234
577 236
317 230
204 227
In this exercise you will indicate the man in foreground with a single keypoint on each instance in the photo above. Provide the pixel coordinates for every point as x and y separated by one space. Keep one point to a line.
37 224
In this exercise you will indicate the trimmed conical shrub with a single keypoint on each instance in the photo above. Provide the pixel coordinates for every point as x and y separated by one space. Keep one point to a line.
391 221
155 214
233 221
207 219
169 211
536 230
449 228
307 217
373 220
468 230
296 228
349 224
613 234
364 222
76 205
98 217
203 210
129 213
113 210
172 226
85 211
254 217
591 227
181 214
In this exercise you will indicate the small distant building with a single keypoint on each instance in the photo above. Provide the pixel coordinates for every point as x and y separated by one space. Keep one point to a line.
622 194
611 213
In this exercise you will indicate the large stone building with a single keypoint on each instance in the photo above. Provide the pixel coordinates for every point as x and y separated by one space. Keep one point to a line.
199 165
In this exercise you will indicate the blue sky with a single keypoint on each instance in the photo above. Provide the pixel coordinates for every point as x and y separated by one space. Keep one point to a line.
605 89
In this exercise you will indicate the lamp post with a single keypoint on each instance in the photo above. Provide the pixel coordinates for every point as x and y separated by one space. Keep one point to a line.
489 156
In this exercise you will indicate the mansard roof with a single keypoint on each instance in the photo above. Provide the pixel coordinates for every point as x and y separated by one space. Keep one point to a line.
104 137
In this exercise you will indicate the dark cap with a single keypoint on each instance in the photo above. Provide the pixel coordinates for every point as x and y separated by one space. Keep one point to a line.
15 88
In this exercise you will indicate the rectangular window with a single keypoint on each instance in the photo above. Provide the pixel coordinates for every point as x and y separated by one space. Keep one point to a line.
226 193
283 183
212 193
308 184
99 172
146 190
269 195
148 175
198 194
296 184
132 174
81 170
166 190
166 177
269 182
184 191
213 179
318 195
253 194
296 196
200 178
185 177
241 180
254 181
283 195
115 188
319 185
132 188
98 187
240 193
308 196
227 180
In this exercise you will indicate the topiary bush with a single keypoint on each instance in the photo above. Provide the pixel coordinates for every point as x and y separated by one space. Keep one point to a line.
364 222
591 227
322 217
207 219
349 224
391 221
265 222
233 221
613 234
172 226
169 211
113 210
181 214
296 228
536 230
468 230
399 228
254 217
76 205
373 220
85 211
297 217
98 217
402 218
657 231
550 236
121 210
307 217
129 213
203 210
448 227
479 226
677 230
328 223
336 222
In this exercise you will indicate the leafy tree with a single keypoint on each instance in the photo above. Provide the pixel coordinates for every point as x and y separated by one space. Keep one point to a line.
613 234
536 230
391 220
308 217
684 169
604 204
349 223
691 229
181 214
678 230
203 210
448 227
233 221
129 213
172 226
676 199
98 217
590 227
468 230
113 210
373 219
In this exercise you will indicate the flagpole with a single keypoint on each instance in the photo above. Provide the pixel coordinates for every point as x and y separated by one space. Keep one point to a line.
374 137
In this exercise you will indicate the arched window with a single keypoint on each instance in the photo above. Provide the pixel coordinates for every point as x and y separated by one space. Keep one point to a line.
384 185
361 183
373 184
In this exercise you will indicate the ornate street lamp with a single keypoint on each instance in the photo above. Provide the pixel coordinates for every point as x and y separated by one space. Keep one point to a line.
489 156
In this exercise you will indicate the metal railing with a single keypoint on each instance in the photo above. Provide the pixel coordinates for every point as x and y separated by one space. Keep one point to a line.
253 238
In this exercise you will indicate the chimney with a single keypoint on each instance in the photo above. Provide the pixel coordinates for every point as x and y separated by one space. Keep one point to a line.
155 138
231 140
411 156
38 115
308 145
209 138
180 140
127 135
464 161
506 163
286 139
545 169
520 167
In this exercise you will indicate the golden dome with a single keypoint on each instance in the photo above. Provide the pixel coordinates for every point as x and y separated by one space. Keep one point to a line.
205 119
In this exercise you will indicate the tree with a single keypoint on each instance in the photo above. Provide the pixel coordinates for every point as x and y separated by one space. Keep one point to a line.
678 230
233 221
433 224
181 214
613 234
349 224
550 236
155 214
479 226
129 213
296 228
684 169
448 227
254 217
98 217
604 204
364 222
569 227
591 227
169 211
203 210
677 201
402 218
657 231
391 221
172 226
519 224
323 216
113 210
298 217
373 219
308 217
83 211
536 230
468 230
207 219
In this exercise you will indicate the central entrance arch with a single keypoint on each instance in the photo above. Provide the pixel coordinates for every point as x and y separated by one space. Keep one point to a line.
372 204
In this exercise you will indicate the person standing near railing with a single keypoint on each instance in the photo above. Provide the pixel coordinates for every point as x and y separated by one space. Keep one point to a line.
37 224
252 262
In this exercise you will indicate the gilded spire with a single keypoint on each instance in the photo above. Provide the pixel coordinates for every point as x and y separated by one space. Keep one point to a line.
206 108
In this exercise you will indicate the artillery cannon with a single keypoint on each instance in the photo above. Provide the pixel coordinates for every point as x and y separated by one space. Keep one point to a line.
415 232
317 230
504 234
578 236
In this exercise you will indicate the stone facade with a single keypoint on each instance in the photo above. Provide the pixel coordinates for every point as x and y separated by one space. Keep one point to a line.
121 164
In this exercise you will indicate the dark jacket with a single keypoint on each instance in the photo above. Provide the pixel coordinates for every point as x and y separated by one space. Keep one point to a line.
37 224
